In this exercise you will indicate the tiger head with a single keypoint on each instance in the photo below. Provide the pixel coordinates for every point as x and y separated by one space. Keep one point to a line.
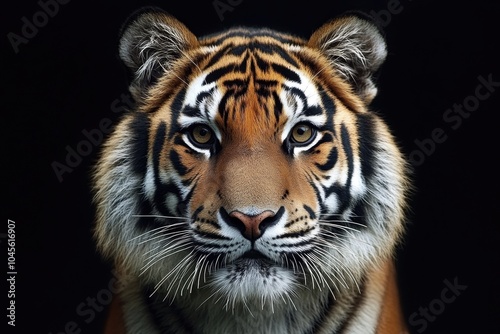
251 166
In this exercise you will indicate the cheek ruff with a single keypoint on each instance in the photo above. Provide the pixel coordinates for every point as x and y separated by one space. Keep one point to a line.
252 175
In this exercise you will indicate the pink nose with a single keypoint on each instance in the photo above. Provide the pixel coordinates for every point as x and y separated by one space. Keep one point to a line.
252 226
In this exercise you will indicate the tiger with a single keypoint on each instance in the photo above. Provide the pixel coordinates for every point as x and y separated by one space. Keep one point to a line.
251 189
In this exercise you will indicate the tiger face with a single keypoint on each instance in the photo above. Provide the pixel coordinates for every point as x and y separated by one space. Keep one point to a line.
251 169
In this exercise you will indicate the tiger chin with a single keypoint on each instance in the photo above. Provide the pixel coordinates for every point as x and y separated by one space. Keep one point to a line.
251 189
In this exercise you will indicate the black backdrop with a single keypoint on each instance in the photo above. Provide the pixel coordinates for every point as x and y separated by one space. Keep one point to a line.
439 91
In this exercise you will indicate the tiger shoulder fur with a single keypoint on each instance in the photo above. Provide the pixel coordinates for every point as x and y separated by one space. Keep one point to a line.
252 190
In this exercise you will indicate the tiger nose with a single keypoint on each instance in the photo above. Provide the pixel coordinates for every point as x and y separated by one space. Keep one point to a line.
253 226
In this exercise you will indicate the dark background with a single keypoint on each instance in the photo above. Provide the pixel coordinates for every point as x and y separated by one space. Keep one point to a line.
67 78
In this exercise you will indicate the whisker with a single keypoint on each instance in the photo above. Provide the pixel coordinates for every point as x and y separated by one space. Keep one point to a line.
342 266
320 256
315 260
313 276
333 223
172 272
213 294
190 59
340 239
156 231
327 215
159 216
165 236
156 258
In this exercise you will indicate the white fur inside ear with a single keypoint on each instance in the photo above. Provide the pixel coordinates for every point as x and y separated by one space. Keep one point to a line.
150 45
356 49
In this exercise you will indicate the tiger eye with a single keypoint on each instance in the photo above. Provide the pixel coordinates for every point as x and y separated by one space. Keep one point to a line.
201 134
302 133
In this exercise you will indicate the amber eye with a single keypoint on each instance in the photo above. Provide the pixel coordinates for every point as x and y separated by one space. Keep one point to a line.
302 134
201 135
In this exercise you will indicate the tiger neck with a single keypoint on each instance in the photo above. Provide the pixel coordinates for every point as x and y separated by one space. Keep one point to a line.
373 309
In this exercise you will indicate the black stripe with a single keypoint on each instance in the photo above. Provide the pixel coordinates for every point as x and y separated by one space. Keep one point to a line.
194 216
317 192
191 111
251 33
212 236
358 300
139 142
329 109
311 212
286 56
327 138
238 50
278 106
367 140
167 317
294 234
262 64
346 144
157 148
159 187
179 141
146 223
222 106
334 307
236 82
285 72
331 160
298 93
344 192
175 110
266 83
242 68
266 48
218 55
271 49
161 190
325 311
313 111
328 103
177 163
359 215
218 73
310 63
201 96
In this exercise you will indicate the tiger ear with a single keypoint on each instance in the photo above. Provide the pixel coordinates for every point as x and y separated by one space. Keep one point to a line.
150 43
355 48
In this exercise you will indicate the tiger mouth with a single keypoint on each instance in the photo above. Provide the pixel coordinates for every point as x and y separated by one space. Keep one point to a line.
253 259
254 254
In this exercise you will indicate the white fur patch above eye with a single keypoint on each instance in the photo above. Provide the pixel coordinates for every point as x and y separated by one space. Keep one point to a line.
206 106
295 106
